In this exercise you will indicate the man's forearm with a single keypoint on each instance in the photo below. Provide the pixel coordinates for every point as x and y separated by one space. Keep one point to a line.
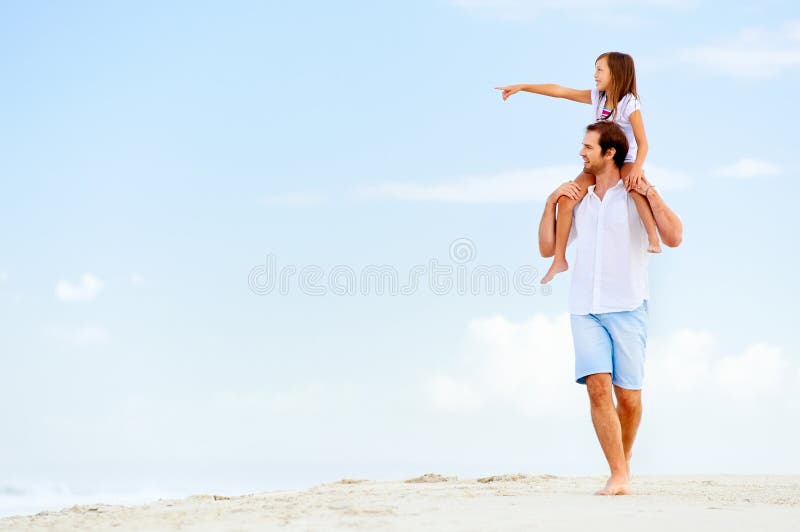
669 225
547 230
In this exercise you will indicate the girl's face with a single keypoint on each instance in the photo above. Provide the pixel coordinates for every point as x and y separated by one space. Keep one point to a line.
602 74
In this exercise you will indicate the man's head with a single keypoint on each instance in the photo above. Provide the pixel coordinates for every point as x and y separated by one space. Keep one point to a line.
604 146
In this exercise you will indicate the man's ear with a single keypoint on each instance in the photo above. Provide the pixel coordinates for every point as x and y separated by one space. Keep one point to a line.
610 153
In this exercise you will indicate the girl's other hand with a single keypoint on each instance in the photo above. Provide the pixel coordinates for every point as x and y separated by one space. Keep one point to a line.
509 90
569 189
634 178
642 187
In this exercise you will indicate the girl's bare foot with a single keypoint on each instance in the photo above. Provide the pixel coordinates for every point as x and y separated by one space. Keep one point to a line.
557 267
615 486
654 247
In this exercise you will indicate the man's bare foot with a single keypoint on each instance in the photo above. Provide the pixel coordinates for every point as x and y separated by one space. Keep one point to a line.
654 247
615 486
557 267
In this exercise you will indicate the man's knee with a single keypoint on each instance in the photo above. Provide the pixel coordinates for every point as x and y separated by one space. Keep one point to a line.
599 388
630 400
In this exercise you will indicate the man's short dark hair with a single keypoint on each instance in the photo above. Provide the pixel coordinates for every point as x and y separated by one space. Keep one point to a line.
611 136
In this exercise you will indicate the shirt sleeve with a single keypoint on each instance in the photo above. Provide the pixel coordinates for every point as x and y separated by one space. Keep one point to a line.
633 104
573 232
595 103
636 225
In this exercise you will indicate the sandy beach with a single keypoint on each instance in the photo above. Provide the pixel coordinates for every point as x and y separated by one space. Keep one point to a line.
502 502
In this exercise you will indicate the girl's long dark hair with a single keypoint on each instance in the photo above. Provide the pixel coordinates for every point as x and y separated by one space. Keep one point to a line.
623 77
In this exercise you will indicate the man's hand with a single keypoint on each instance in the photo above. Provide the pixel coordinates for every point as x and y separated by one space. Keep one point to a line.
634 177
642 186
569 189
669 224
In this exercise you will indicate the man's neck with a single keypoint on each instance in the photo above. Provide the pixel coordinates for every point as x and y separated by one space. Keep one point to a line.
607 178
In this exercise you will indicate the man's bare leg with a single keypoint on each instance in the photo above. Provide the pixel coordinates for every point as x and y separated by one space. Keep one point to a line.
629 411
609 432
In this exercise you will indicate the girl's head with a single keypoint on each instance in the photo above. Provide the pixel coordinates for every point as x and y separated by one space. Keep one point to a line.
615 75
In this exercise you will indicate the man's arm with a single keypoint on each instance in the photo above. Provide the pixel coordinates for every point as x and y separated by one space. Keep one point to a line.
547 230
669 225
547 225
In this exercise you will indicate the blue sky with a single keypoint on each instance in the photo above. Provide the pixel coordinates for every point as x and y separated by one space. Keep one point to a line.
155 154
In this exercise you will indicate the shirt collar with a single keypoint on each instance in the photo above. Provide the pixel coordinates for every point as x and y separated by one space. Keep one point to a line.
619 184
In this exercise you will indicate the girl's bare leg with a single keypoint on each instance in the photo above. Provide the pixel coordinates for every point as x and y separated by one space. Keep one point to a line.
563 225
645 213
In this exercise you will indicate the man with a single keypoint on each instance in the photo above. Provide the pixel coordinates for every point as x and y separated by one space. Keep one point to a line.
609 292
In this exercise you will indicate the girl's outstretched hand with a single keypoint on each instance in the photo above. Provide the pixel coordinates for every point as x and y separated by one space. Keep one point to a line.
634 178
509 90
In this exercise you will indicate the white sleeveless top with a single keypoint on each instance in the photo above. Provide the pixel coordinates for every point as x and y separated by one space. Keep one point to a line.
622 116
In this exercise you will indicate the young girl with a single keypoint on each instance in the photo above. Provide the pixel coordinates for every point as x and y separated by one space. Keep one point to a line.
614 98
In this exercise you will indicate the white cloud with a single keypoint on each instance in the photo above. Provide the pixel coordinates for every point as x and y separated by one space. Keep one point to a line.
86 336
667 179
753 53
509 187
513 186
307 398
244 423
760 370
294 199
302 398
451 393
86 290
682 361
529 365
689 361
747 169
526 10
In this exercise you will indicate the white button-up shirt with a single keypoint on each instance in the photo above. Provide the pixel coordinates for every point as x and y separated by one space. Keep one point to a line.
610 271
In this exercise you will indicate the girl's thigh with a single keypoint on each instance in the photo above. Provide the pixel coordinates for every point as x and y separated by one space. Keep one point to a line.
626 169
585 180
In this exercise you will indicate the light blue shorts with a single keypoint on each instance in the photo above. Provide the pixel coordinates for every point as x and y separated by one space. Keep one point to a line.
611 342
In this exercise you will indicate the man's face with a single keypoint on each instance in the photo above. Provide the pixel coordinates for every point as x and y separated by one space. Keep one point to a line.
593 161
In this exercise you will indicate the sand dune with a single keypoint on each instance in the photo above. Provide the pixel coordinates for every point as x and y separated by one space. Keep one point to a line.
435 502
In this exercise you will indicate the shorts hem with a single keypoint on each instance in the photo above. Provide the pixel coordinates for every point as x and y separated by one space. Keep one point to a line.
627 386
585 374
